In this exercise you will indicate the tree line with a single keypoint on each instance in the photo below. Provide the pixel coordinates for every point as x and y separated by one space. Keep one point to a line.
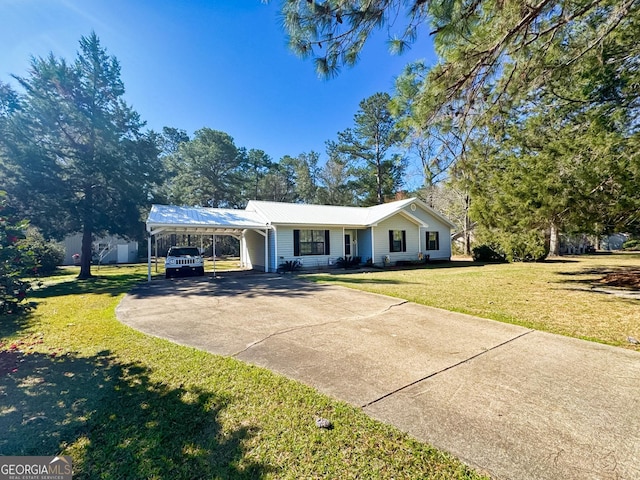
75 157
525 128
209 169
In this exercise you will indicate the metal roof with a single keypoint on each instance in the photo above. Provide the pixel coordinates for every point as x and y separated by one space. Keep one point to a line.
278 213
261 215
303 214
171 218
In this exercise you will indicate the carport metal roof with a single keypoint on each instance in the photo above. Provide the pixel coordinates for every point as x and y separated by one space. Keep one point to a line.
202 221
168 219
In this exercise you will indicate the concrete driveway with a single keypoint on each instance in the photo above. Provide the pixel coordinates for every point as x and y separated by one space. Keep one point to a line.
512 402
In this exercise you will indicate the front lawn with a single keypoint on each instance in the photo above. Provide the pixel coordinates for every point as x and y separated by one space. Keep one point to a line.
579 296
75 381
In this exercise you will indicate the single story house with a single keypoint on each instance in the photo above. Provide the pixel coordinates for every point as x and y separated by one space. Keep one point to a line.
272 233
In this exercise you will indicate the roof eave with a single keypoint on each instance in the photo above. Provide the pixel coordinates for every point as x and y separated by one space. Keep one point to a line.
307 224
203 227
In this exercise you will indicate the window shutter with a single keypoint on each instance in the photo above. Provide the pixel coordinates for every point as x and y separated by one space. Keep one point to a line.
404 240
326 243
296 243
391 240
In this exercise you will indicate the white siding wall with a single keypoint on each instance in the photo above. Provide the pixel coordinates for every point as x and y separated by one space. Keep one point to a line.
434 225
381 239
255 250
285 247
444 234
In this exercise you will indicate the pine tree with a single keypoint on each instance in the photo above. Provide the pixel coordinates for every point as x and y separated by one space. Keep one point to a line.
75 157
368 144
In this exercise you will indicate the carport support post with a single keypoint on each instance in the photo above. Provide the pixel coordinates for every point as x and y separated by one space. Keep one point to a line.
149 258
213 251
266 250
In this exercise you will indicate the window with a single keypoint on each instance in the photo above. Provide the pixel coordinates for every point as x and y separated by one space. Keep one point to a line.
397 241
433 241
310 242
183 252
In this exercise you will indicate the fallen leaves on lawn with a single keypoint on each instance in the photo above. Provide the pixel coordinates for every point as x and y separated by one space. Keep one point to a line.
624 279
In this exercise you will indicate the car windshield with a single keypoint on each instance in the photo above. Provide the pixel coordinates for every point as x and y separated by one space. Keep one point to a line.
183 252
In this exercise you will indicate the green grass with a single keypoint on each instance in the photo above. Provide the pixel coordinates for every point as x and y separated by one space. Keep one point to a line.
73 380
564 296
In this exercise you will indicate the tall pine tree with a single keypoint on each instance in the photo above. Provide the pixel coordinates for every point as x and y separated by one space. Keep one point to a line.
76 159
368 145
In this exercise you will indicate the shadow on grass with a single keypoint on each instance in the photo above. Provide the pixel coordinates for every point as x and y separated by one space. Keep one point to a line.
109 284
622 283
624 277
115 421
113 285
557 260
600 271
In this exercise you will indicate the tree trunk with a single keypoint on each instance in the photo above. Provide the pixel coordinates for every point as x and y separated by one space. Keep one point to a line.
87 235
85 257
380 197
554 240
467 225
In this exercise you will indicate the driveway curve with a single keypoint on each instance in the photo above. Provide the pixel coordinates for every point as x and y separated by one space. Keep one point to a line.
510 401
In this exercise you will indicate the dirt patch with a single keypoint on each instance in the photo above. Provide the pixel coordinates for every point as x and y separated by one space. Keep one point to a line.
623 279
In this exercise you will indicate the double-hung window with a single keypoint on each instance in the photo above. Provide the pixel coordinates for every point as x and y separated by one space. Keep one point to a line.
433 241
310 242
397 241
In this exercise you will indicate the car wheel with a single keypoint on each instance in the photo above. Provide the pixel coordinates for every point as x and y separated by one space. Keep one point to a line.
201 271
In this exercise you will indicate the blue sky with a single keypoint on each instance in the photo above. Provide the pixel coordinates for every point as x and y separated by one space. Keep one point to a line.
218 64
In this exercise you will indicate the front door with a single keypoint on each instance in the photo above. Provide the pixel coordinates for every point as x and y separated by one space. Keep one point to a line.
347 244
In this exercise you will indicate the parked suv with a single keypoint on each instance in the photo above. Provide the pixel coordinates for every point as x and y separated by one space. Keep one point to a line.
183 260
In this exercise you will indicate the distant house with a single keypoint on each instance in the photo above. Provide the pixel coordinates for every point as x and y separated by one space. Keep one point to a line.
106 250
615 241
272 233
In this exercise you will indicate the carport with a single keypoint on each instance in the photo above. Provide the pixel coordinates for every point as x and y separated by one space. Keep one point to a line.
251 230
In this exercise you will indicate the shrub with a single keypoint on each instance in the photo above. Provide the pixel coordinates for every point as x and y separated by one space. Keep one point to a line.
512 246
348 262
631 245
15 259
48 255
486 253
290 266
524 246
